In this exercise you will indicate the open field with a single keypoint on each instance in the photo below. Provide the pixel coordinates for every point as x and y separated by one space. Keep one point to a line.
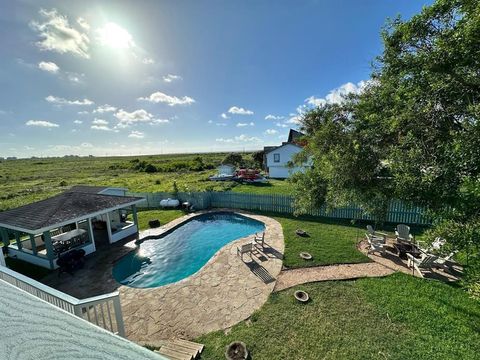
27 180
397 317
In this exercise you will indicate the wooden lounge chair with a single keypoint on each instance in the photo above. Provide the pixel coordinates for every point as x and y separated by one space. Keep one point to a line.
260 239
375 235
427 261
246 249
402 232
446 262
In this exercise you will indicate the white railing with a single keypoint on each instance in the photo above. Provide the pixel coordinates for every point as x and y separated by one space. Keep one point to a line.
104 310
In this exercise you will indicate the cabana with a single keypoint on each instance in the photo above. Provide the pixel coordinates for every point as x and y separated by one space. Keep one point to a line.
81 218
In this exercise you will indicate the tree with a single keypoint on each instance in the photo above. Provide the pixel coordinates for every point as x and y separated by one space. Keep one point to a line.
233 159
413 133
258 158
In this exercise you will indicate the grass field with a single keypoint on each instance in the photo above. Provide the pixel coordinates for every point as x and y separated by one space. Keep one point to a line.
27 180
397 317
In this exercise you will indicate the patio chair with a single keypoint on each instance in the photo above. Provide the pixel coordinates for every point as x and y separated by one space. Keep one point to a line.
246 249
427 261
402 233
260 239
375 235
445 262
376 244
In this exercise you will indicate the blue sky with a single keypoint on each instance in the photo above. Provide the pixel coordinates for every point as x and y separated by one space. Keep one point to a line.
149 77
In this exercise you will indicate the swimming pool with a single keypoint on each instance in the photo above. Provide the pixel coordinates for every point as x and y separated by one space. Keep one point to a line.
183 251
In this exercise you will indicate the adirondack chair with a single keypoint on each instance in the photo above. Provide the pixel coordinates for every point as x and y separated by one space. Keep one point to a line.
445 262
260 239
246 249
375 245
427 261
373 235
402 232
437 244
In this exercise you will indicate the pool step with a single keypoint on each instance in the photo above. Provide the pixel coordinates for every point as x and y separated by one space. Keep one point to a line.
180 349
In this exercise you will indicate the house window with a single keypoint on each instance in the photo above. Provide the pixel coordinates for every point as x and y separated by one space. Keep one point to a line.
276 157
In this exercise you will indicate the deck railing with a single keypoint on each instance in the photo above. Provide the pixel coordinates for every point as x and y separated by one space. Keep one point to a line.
104 311
398 212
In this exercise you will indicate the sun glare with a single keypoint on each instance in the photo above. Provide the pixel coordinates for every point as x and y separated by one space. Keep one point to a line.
114 36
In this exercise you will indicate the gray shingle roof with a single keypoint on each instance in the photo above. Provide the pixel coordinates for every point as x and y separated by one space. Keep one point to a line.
62 208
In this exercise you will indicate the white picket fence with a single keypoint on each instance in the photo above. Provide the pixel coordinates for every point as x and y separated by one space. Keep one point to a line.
398 212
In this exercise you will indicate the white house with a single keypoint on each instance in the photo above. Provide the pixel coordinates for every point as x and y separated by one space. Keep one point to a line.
278 158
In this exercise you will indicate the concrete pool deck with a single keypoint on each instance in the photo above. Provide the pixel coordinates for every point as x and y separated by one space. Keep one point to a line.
224 292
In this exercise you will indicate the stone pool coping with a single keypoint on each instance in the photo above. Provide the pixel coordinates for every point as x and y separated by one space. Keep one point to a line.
225 291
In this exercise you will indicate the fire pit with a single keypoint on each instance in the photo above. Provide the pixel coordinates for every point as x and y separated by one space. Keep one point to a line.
237 350
301 296
306 256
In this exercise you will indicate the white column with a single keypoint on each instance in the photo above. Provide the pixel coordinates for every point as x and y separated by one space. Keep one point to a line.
109 228
90 233
2 259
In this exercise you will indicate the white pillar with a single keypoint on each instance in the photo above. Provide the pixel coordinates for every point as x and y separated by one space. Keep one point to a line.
109 228
90 233
2 259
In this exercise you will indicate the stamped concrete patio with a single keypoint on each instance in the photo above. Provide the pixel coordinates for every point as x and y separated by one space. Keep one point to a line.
224 292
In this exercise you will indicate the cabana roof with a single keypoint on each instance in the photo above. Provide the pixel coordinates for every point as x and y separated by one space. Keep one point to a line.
73 205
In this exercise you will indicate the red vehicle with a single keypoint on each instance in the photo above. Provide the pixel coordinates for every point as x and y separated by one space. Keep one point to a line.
249 175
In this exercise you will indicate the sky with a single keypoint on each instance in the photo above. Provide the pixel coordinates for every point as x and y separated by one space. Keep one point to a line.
149 77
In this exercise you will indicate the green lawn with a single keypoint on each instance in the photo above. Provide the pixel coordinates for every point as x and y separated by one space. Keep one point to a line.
397 317
165 216
329 242
273 186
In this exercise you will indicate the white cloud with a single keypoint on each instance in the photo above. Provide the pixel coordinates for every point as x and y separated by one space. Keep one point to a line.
136 135
48 66
159 121
78 122
239 139
221 124
337 95
102 128
56 34
271 132
83 23
224 116
281 125
210 121
245 124
41 123
239 111
159 97
104 108
148 61
273 117
83 113
62 101
126 118
75 77
170 78
294 119
99 122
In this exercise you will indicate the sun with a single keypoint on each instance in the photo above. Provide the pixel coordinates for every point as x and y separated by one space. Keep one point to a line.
114 36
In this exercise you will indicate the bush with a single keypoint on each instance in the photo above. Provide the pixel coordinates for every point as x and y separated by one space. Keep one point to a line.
149 168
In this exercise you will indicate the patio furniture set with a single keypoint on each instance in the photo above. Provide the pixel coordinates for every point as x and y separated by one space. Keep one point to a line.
419 257
251 247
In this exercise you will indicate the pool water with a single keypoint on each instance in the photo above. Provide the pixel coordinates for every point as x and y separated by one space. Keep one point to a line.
183 251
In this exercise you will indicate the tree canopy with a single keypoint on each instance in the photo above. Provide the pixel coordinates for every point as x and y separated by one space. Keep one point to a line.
414 132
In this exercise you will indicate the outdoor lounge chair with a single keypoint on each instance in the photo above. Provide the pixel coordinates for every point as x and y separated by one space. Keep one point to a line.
436 245
402 232
376 244
375 235
246 249
445 262
427 261
260 239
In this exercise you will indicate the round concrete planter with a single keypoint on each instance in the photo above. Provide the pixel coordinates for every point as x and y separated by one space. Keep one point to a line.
301 296
301 233
306 256
237 350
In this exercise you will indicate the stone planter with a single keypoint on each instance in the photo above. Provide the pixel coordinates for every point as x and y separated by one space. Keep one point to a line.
306 256
301 233
237 350
154 223
301 296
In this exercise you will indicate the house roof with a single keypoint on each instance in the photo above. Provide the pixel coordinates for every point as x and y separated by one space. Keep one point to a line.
278 147
294 135
59 210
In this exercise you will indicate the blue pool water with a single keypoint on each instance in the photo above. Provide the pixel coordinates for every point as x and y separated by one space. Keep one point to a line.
183 251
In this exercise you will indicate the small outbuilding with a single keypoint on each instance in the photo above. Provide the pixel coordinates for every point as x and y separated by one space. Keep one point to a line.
83 217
